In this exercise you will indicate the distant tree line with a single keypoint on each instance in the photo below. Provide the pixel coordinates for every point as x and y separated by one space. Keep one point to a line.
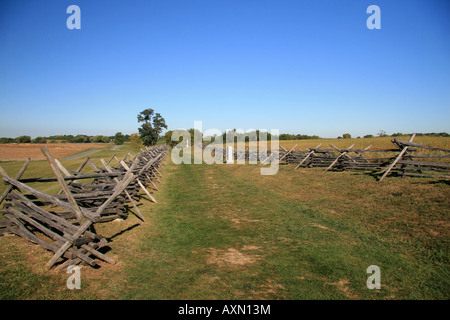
258 135
231 135
118 138
383 133
234 135
432 134
287 136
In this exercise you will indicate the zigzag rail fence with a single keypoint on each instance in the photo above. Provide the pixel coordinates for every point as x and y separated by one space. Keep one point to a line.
405 158
63 223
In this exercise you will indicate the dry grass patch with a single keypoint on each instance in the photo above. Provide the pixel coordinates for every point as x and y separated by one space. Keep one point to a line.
342 285
232 257
270 289
320 226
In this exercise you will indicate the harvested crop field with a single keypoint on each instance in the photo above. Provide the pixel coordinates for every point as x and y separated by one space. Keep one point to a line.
22 151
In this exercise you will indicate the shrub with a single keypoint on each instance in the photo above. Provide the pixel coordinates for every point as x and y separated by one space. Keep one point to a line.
23 139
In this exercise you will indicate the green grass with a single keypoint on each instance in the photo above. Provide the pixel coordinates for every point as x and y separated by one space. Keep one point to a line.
24 277
221 233
226 232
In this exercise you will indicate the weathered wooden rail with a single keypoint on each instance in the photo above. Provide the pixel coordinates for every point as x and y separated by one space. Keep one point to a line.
63 223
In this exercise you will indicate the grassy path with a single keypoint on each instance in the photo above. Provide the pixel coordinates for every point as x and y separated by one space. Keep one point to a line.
221 232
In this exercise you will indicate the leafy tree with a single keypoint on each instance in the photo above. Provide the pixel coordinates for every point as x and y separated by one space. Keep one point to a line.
168 138
288 136
39 140
368 136
81 138
97 139
119 138
346 136
152 126
23 139
135 142
7 140
100 139
382 133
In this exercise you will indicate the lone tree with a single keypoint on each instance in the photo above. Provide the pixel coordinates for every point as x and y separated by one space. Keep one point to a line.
382 133
152 126
119 138
347 136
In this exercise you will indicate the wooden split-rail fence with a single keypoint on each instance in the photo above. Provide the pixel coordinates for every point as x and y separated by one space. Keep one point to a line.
405 158
63 223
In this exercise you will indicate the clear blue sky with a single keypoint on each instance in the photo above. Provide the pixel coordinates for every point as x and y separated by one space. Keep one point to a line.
310 67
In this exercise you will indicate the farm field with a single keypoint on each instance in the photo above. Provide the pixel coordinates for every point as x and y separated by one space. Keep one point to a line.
376 143
22 151
226 232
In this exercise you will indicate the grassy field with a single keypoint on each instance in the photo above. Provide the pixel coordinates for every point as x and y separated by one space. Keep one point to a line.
376 143
226 232
361 143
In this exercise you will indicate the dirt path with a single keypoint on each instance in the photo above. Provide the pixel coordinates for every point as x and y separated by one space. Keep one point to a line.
81 154
87 153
